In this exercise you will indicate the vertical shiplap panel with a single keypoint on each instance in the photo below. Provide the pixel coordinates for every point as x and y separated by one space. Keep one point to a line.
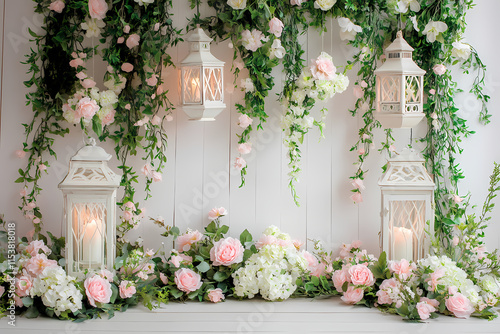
268 146
319 190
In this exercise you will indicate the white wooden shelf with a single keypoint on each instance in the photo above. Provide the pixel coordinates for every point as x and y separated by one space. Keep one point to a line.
254 316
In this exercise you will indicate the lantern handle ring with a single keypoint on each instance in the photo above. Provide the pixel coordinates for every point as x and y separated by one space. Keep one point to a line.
89 141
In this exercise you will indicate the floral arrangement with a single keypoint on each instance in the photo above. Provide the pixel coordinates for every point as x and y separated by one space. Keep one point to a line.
318 81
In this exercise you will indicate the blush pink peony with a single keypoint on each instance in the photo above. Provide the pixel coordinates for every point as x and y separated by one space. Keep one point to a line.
187 280
339 278
403 268
424 310
24 284
87 108
185 241
38 263
127 289
226 252
361 275
35 246
353 295
459 305
216 295
98 290
98 9
322 68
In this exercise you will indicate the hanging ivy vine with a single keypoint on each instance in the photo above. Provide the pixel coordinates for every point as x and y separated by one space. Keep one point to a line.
132 38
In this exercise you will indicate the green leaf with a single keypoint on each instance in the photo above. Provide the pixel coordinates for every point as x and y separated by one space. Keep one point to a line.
32 312
203 267
27 301
246 238
220 276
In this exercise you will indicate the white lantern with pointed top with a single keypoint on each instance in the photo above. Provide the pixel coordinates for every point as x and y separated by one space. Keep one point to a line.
407 206
202 79
399 87
89 191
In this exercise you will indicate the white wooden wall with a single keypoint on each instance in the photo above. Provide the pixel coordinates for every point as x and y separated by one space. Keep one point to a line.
199 175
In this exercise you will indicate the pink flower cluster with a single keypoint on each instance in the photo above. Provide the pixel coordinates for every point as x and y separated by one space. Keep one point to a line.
226 252
185 241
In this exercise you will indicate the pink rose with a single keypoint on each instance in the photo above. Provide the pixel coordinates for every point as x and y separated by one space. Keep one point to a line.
339 278
387 286
313 266
126 29
433 279
163 278
185 241
88 83
356 243
42 167
357 197
153 80
81 75
109 117
159 90
215 295
57 6
457 199
127 215
361 151
35 246
252 40
403 268
120 40
439 69
20 154
31 205
23 192
459 305
266 240
128 106
226 252
23 285
147 170
245 148
432 302
352 295
358 184
244 121
127 67
240 163
392 148
187 280
363 84
276 27
156 26
361 275
98 9
98 290
133 41
87 108
76 62
425 310
36 221
157 177
322 68
156 120
358 92
38 263
216 213
127 289
432 91
106 274
455 241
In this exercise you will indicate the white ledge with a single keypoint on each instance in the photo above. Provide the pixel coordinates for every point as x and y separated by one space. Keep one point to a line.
253 316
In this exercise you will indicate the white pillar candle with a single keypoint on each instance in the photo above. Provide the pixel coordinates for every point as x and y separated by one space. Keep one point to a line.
92 242
403 244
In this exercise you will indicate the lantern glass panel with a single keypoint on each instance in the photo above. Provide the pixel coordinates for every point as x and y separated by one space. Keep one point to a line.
89 235
406 229
213 84
191 85
412 93
391 93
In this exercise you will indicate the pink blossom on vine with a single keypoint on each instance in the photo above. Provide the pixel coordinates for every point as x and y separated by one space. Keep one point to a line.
128 215
439 69
432 91
240 163
157 177
216 213
245 148
133 41
276 26
363 84
322 68
81 75
392 148
36 221
120 40
127 67
434 115
42 167
455 241
159 90
457 199
156 120
20 154
245 121
365 136
98 9
130 205
252 40
297 2
31 205
57 6
357 197
361 151
126 29
74 54
87 108
147 170
76 62
156 26
88 83
358 92
153 80
127 106
358 184
23 192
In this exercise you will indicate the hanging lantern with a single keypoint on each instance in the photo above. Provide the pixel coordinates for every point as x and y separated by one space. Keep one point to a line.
407 206
399 87
89 191
202 83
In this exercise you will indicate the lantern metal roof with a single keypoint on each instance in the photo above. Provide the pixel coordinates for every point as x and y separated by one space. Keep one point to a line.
407 170
199 51
399 59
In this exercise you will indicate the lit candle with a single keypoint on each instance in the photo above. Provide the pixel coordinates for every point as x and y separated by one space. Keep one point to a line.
403 244
92 242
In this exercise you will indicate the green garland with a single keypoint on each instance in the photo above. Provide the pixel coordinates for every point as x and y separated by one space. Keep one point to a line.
139 92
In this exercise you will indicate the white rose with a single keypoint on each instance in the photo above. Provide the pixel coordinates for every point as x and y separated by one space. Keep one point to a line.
144 2
461 50
237 4
348 29
324 4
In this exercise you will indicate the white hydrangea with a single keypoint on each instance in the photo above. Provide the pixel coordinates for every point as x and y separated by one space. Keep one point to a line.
107 98
116 85
272 271
94 94
490 284
305 79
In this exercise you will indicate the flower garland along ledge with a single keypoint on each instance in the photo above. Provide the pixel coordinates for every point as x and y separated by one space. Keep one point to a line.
460 280
132 37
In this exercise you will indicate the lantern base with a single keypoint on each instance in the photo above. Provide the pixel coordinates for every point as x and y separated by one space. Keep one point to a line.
396 121
202 113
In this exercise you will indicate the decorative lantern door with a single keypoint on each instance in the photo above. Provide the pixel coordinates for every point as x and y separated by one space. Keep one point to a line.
89 191
399 87
407 206
202 79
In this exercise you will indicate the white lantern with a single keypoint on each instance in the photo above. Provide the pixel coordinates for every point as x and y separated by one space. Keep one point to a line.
399 87
89 191
202 79
407 206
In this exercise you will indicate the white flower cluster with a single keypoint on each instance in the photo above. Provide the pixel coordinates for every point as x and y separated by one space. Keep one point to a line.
453 277
57 290
272 271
